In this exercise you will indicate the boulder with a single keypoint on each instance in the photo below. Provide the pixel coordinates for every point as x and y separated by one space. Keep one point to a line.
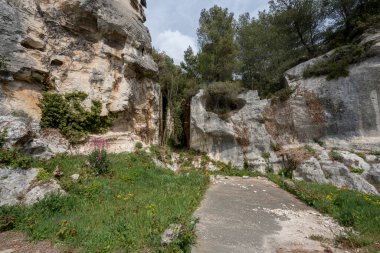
341 176
22 187
310 171
170 234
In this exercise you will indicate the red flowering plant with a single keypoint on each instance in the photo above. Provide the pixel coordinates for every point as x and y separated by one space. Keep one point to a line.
98 158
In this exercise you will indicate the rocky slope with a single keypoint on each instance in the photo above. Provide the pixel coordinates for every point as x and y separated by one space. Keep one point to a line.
343 113
98 47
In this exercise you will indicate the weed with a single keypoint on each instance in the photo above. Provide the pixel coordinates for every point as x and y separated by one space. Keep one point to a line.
43 175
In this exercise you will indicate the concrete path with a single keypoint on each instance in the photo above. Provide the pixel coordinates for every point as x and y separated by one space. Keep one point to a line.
254 215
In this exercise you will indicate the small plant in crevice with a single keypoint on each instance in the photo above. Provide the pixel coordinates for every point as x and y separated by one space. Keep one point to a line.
67 113
310 149
357 170
319 142
275 146
3 63
3 135
138 145
335 156
98 159
291 165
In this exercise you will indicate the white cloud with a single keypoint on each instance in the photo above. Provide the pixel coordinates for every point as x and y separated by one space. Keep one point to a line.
174 43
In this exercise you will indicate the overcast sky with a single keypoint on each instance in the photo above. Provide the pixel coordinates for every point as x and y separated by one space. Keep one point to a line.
173 23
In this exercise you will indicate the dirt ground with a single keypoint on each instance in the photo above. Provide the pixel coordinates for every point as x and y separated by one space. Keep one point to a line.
16 242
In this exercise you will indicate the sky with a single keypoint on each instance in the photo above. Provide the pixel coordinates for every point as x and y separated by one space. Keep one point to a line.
173 23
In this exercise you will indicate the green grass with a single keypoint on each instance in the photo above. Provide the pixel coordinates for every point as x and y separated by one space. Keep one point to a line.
351 209
125 210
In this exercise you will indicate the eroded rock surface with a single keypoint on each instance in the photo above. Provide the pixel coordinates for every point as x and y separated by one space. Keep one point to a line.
98 47
239 139
343 108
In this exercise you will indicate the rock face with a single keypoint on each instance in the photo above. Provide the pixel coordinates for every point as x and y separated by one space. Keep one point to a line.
344 111
242 138
344 108
22 187
98 47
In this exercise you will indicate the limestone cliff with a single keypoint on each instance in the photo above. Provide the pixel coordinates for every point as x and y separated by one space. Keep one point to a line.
100 47
240 138
347 108
343 114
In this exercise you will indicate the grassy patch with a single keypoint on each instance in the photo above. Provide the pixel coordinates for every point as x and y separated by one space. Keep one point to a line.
351 209
125 210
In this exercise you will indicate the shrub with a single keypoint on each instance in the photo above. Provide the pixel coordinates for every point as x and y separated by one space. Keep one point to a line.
338 63
283 94
223 97
13 158
139 145
98 160
66 113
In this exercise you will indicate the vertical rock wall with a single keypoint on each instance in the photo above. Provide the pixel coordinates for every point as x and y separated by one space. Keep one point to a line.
100 47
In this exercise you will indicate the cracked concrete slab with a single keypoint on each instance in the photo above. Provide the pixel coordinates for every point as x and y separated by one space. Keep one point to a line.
249 215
